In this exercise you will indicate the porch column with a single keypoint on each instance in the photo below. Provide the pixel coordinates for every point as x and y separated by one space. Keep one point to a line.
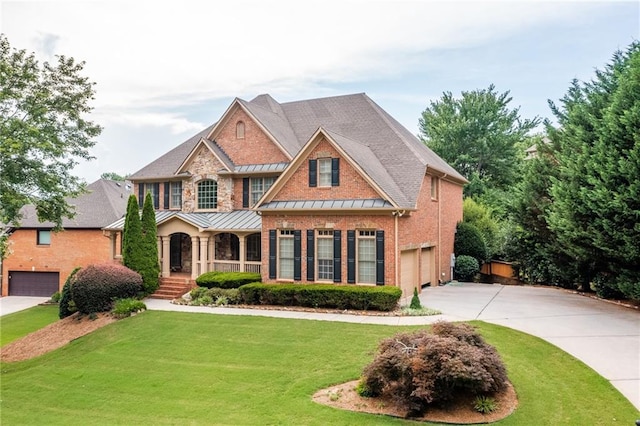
166 249
243 252
204 242
212 253
112 240
194 257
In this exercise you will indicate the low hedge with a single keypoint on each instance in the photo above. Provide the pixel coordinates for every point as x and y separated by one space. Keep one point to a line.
333 296
226 279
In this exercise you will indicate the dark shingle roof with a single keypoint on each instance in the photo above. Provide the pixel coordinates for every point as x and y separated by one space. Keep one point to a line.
386 151
104 203
168 164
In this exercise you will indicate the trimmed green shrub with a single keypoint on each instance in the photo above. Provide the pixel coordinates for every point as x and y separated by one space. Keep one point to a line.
227 279
415 300
149 267
466 268
97 286
55 297
469 241
216 296
123 308
66 305
379 298
422 368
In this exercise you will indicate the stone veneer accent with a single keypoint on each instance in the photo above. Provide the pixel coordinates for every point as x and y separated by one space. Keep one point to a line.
204 166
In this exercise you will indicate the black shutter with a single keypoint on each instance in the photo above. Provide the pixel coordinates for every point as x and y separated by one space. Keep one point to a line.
272 254
167 189
310 255
379 257
335 172
245 192
140 194
313 173
337 254
351 257
297 255
156 196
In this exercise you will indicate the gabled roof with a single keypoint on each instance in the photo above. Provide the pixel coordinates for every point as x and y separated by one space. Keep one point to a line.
214 149
105 202
388 154
167 165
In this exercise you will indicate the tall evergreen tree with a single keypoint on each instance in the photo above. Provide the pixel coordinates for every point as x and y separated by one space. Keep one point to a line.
132 236
596 197
479 135
150 268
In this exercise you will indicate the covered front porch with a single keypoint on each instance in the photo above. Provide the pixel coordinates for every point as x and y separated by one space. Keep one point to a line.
190 244
181 253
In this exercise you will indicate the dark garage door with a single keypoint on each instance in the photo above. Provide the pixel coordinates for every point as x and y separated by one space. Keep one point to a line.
33 283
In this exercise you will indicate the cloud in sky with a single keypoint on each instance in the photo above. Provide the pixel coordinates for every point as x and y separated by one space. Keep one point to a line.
156 62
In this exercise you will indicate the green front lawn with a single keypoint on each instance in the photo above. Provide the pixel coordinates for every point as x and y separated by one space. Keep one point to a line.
178 368
19 324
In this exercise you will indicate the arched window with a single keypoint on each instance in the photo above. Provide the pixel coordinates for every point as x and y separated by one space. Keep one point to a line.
207 194
240 130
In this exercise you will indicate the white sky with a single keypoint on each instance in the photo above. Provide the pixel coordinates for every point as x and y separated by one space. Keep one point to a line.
167 69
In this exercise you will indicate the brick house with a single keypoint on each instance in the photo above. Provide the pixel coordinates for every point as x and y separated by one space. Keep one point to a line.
40 260
323 190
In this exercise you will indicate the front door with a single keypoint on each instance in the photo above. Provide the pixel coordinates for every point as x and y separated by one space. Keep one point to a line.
175 252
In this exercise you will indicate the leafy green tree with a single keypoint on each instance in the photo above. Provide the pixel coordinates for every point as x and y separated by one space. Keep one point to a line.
43 134
479 135
469 241
596 202
149 248
132 236
479 215
113 176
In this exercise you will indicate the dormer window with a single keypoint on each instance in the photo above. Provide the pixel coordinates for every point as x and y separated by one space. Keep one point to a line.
240 130
207 194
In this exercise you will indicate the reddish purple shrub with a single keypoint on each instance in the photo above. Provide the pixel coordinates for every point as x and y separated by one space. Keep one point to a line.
422 368
97 286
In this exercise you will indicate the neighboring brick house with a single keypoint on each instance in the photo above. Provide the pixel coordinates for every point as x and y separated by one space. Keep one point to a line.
322 190
40 260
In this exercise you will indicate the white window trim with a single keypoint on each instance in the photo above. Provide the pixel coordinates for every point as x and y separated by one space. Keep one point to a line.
285 234
370 235
325 174
323 234
197 203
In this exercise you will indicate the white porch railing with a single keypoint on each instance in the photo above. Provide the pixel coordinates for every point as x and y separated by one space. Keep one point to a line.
234 266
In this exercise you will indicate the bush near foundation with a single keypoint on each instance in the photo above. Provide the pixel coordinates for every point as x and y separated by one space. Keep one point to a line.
96 287
466 268
334 296
422 368
66 305
226 279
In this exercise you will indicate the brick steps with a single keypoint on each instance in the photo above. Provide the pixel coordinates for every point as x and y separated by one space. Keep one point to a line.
172 288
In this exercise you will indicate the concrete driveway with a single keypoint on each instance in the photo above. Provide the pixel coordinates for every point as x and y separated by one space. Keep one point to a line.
11 304
603 335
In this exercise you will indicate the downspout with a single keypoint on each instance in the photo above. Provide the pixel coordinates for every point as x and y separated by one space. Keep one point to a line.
440 273
397 214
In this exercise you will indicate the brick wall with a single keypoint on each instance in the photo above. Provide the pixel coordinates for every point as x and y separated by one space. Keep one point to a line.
68 249
254 148
352 184
323 221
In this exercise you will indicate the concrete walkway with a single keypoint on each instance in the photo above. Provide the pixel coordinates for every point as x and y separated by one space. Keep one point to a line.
603 335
